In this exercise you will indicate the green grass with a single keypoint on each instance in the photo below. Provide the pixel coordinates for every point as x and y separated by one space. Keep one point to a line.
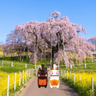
80 68
12 92
15 59
25 59
17 66
43 62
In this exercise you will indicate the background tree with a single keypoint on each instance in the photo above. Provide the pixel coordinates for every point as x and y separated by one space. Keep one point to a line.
57 35
93 41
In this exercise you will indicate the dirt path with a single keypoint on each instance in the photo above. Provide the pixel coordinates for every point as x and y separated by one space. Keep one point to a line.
33 90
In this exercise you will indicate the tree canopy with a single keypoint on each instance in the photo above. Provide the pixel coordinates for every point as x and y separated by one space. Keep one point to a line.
56 35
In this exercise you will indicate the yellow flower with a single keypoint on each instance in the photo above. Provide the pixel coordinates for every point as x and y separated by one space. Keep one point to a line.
85 80
3 81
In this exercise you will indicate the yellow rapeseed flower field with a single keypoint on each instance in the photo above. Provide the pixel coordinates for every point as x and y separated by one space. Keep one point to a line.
82 81
3 81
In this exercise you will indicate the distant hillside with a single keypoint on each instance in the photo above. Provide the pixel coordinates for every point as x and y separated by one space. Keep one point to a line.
1 50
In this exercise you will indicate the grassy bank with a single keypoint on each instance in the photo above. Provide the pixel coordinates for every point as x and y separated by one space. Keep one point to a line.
90 67
17 65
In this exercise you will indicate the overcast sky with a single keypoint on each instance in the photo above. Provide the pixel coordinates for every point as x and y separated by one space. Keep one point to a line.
14 12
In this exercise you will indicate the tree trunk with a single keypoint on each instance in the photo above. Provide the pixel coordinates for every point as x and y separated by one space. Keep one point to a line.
20 56
4 54
24 53
27 53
